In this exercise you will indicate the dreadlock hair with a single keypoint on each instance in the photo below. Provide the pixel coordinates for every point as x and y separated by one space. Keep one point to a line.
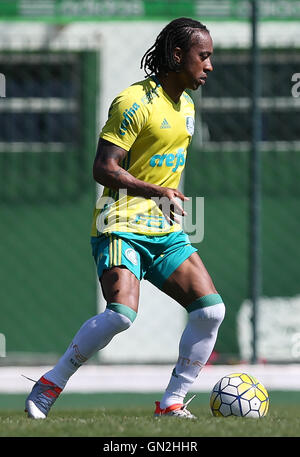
159 58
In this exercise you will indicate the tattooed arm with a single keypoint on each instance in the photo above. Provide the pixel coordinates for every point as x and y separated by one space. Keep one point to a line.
107 171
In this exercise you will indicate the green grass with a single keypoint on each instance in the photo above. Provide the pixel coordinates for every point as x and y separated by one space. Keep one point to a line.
131 415
135 422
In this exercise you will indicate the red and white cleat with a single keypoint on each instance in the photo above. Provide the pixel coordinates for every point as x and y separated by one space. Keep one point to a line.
39 401
176 410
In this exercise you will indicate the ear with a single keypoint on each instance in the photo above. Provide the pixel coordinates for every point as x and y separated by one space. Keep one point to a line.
177 55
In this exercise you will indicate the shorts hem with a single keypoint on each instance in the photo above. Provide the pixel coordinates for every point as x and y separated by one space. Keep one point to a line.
159 282
116 266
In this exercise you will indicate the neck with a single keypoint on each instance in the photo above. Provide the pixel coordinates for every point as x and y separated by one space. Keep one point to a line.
170 85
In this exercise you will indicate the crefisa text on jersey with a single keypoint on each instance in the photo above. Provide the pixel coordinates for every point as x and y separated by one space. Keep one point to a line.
151 446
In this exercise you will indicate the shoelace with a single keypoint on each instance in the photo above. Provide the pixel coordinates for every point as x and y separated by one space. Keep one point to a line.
44 402
41 399
30 379
47 386
186 403
184 411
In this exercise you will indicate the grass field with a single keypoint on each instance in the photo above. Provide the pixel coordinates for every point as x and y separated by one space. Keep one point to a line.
131 415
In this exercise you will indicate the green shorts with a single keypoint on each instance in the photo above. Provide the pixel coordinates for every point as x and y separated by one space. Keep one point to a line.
153 258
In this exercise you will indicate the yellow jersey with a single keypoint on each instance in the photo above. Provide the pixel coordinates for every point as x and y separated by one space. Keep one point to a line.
155 131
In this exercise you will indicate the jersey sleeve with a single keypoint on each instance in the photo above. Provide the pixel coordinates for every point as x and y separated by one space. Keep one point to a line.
126 118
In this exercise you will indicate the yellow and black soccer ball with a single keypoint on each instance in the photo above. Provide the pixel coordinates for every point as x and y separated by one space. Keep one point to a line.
239 394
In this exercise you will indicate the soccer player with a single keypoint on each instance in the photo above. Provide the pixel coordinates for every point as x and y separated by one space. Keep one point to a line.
140 157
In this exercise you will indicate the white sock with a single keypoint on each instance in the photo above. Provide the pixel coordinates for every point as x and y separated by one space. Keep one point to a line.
195 347
94 335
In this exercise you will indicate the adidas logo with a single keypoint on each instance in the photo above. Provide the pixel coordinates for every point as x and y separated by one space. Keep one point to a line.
165 124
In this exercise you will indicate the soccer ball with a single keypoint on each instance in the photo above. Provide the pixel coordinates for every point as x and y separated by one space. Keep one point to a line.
239 394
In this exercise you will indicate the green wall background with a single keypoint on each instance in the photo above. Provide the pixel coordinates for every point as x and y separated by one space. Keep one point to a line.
223 179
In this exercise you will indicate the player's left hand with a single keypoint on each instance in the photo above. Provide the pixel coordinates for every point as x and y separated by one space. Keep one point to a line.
170 206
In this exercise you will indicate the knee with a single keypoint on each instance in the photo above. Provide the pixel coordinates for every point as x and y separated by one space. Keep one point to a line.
207 308
213 314
120 319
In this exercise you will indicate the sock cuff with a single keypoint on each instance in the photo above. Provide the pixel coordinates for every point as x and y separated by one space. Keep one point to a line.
204 302
122 309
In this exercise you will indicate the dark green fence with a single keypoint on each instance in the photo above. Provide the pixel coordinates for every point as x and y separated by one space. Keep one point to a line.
47 141
218 169
47 145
